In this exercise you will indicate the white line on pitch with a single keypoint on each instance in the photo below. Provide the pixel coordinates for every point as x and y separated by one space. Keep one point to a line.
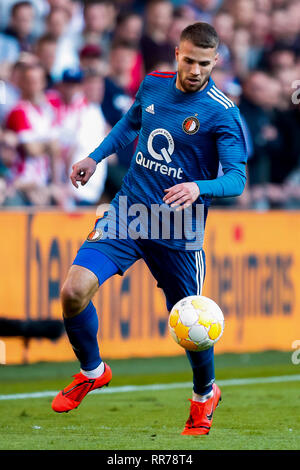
170 386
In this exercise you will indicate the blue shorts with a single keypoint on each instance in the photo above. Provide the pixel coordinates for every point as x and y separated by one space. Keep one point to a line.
178 273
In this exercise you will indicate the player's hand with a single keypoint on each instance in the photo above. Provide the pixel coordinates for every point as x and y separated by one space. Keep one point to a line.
181 195
82 171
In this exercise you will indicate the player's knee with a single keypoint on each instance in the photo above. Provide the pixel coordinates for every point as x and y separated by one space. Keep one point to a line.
73 299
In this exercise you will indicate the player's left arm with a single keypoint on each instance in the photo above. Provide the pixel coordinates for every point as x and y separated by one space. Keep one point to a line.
232 153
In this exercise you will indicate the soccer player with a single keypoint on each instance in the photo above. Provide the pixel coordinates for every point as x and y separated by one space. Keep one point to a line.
186 128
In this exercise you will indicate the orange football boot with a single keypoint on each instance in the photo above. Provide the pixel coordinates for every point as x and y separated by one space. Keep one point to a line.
70 397
201 414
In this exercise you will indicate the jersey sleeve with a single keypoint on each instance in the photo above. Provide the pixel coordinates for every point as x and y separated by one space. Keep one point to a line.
123 133
232 151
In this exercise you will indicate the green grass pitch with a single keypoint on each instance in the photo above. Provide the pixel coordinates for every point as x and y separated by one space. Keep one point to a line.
260 415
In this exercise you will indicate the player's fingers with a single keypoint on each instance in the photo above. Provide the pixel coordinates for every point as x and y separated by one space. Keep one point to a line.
180 200
78 174
173 191
73 179
175 196
183 206
170 191
85 176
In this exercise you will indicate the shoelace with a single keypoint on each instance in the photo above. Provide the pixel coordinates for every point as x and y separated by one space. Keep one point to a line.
78 379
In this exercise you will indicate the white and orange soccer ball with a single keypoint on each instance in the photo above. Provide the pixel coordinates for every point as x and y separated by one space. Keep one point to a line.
196 322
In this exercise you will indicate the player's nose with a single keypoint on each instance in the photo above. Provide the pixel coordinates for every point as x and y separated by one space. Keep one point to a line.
195 70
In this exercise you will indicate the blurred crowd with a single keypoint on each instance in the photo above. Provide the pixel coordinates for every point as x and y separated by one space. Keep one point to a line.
69 70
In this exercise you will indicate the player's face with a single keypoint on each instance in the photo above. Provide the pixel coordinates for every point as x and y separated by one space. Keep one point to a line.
195 65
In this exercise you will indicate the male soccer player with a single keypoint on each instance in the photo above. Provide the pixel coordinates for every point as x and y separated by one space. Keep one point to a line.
186 127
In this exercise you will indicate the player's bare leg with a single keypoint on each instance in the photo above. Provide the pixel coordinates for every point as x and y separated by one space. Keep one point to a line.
81 322
78 289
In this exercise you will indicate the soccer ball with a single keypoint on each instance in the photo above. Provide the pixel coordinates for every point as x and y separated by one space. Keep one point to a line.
196 322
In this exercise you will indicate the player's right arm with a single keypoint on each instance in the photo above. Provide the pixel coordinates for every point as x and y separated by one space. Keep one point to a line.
121 135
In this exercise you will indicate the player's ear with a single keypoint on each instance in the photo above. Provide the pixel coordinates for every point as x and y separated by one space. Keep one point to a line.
216 58
176 53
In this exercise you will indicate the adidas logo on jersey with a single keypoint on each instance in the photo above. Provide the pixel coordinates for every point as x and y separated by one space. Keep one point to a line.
150 109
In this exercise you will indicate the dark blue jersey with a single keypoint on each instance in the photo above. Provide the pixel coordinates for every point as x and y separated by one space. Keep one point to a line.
182 138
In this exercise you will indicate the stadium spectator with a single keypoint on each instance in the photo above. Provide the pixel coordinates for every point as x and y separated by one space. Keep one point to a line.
33 120
81 127
9 49
155 46
279 58
241 50
66 55
179 22
283 188
285 28
45 49
260 39
98 24
10 166
129 31
122 67
261 95
75 11
67 100
273 136
12 91
116 102
203 10
21 25
129 27
288 78
224 25
242 11
89 134
91 58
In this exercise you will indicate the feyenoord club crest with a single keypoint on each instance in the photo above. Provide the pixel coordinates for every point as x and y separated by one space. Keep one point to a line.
95 235
190 125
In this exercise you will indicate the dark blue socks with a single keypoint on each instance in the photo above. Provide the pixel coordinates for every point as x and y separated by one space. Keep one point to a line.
203 366
82 332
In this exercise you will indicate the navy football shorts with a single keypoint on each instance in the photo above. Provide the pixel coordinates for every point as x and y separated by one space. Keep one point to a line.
178 273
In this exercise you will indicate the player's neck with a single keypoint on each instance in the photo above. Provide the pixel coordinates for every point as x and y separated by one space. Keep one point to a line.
181 88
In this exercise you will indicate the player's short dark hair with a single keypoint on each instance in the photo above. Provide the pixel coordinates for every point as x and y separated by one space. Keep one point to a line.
201 35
